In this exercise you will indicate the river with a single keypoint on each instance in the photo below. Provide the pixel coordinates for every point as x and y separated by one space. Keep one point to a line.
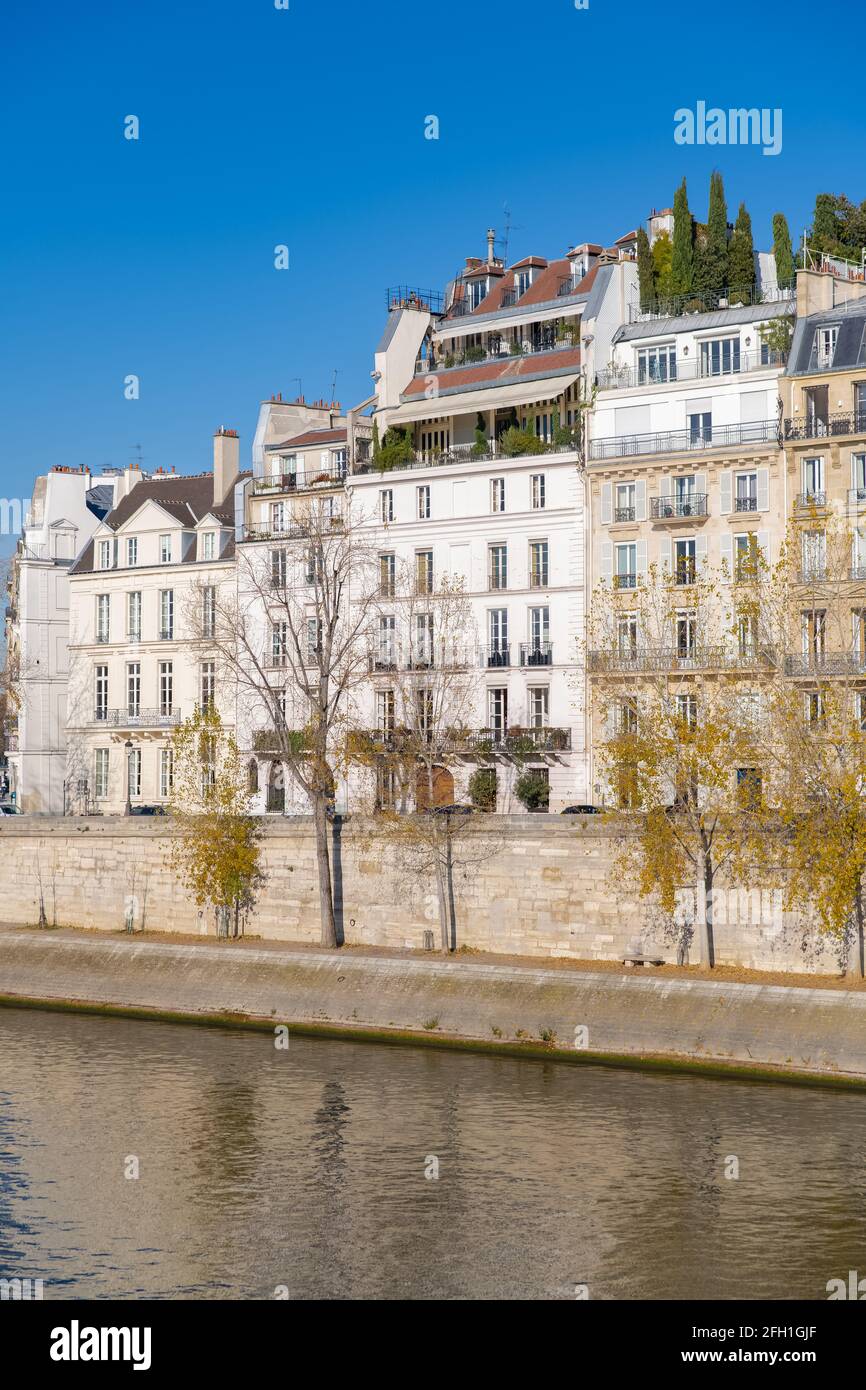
313 1171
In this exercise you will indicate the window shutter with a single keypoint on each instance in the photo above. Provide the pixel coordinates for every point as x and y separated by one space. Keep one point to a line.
763 489
700 554
701 484
641 562
665 486
606 504
727 493
665 551
640 500
727 544
607 560
764 546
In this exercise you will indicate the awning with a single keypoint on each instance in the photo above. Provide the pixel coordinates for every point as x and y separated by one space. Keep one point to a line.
484 398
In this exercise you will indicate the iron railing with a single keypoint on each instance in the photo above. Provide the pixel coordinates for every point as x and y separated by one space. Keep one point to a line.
745 504
676 658
468 453
671 306
624 513
828 426
825 664
536 654
498 350
497 654
680 441
668 508
137 719
623 378
299 482
805 501
411 297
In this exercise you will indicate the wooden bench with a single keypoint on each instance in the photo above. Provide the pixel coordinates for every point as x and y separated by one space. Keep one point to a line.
633 961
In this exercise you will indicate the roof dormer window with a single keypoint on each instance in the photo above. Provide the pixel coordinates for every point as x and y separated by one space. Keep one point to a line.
208 545
825 344
477 291
522 281
132 552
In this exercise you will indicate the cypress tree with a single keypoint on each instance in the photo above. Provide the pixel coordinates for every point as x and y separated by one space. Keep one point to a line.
645 269
682 266
741 260
825 225
711 252
782 250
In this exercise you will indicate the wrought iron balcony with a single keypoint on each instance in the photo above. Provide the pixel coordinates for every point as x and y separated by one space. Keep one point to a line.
137 719
625 581
517 740
411 297
745 504
675 508
815 427
624 513
812 574
808 501
634 660
673 372
497 654
856 496
696 302
685 441
825 664
299 482
536 653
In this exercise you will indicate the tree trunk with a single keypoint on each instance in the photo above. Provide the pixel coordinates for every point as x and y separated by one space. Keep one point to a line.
441 892
704 923
857 944
323 860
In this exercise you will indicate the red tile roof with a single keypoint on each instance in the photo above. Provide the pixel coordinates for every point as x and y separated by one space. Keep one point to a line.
311 437
530 260
502 372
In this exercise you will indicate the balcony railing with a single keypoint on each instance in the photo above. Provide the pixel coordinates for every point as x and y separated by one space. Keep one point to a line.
295 531
812 574
536 654
807 501
681 441
382 660
675 508
497 350
624 513
825 664
847 422
469 453
625 581
623 378
671 306
856 496
516 740
497 654
137 719
745 504
696 658
299 482
411 297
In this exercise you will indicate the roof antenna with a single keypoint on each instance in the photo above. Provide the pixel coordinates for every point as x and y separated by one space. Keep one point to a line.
334 387
139 459
509 228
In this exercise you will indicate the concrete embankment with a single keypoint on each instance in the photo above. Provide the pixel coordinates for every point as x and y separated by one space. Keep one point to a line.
572 1014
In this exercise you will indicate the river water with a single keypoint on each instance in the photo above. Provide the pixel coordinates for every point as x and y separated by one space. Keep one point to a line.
312 1170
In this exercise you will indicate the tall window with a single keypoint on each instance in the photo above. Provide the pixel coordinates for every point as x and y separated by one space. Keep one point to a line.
684 562
497 627
497 494
385 711
165 550
686 633
133 766
133 689
858 472
539 636
747 492
279 639
746 557
700 426
103 617
538 698
106 554
424 571
132 551
278 518
813 480
133 616
813 633
387 651
497 711
687 710
166 772
626 502
537 491
314 639
386 504
207 683
497 566
423 495
814 554
626 634
208 611
387 575
279 568
538 567
720 356
423 655
101 693
101 773
825 344
166 614
166 688
657 364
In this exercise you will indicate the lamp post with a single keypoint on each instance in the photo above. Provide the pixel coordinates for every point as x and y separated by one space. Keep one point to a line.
129 776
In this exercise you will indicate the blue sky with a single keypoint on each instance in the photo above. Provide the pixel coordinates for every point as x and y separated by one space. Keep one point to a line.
262 126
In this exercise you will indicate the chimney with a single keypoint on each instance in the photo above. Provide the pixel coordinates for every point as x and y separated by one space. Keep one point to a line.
491 241
226 462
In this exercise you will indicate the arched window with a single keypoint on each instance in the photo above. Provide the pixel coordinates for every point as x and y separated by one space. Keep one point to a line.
252 777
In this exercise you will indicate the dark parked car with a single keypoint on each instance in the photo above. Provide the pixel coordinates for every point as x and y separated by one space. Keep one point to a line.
148 811
7 808
581 811
453 810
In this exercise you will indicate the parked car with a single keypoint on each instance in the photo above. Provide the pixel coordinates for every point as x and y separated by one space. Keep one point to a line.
7 808
581 811
454 810
148 811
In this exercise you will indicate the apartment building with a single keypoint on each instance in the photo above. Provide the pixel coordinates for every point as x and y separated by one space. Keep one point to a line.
66 507
143 595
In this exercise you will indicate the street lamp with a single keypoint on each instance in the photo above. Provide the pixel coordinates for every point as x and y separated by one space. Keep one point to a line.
129 776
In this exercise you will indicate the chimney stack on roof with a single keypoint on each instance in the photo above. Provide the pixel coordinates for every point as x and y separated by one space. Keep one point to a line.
226 462
491 242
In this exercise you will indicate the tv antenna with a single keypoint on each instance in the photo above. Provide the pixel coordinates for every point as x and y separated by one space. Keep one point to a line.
509 228
139 458
334 386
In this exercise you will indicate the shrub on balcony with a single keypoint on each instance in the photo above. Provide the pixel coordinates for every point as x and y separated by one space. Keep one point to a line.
473 354
516 441
396 450
516 349
533 791
482 789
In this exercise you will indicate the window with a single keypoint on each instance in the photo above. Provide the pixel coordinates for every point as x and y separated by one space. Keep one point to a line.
825 344
538 566
207 683
536 491
684 562
538 704
208 545
133 689
252 777
101 693
686 633
166 614
497 566
746 499
625 715
749 787
279 568
539 653
103 617
814 555
387 575
858 475
101 773
314 639
424 571
278 518
813 706
813 632
166 772
626 635
687 710
497 711
165 550
208 611
166 688
133 617
106 550
626 502
338 463
423 654
423 495
684 491
385 712
425 712
720 356
386 504
207 754
746 557
522 281
477 292
657 364
700 427
498 652
279 638
625 576
133 772
813 481
747 634
386 656
497 494
132 552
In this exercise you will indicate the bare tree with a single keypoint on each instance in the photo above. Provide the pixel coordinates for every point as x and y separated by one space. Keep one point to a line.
294 641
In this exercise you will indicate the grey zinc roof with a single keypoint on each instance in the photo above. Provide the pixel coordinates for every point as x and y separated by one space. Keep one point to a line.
850 344
100 498
719 318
